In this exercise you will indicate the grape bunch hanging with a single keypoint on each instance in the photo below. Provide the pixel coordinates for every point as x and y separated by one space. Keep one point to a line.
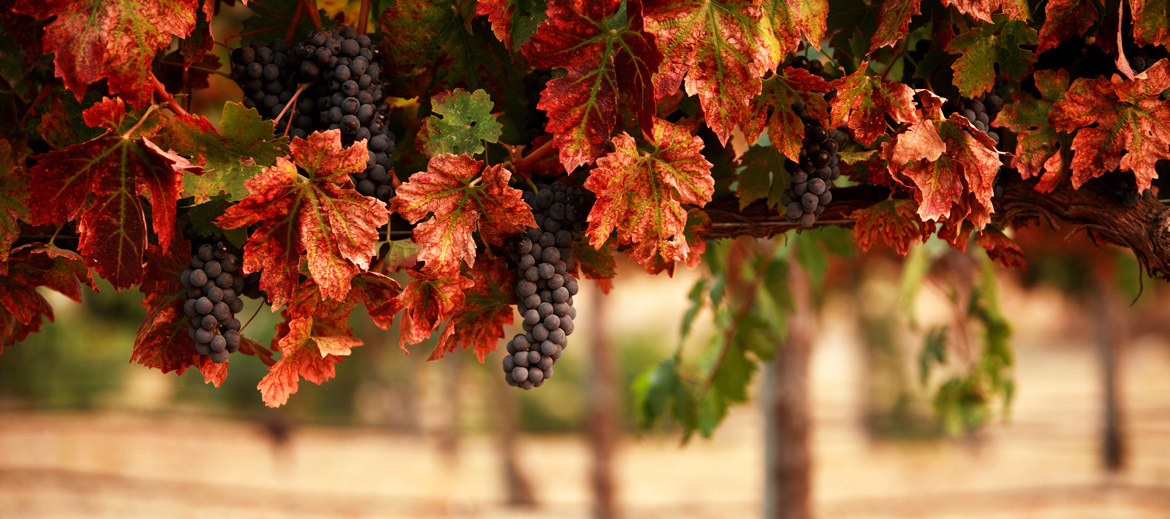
546 286
343 87
813 175
213 290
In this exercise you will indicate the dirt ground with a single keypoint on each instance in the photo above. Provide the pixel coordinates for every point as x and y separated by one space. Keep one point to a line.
1042 463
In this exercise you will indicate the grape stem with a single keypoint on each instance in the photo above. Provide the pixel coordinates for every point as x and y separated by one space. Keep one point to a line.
292 103
168 100
536 155
363 16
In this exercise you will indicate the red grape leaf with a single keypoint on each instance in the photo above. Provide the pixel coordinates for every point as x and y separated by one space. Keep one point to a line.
162 341
982 9
1151 21
606 53
245 147
513 21
22 307
722 48
479 323
62 123
863 102
952 184
460 203
313 337
377 291
641 193
893 21
1039 146
308 205
13 196
988 45
426 302
1065 19
785 128
102 181
793 21
697 221
1001 249
95 39
893 220
1118 124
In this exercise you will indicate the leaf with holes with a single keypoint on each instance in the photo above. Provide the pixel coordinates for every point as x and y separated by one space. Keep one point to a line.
1118 123
95 39
1038 144
463 124
641 193
307 208
986 46
244 148
462 196
723 49
863 102
102 182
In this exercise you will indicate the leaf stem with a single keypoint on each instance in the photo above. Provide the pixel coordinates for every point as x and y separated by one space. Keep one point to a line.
292 26
168 100
311 7
131 131
536 155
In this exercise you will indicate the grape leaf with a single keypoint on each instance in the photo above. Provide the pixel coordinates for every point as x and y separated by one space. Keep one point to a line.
201 219
793 21
62 124
780 92
1039 146
95 39
1065 19
893 21
245 147
466 122
1001 249
596 264
1151 21
13 199
426 302
377 291
950 167
863 102
479 323
308 205
606 54
763 175
982 9
22 307
460 202
722 48
313 337
988 45
162 341
513 21
893 220
697 221
101 181
1118 124
641 193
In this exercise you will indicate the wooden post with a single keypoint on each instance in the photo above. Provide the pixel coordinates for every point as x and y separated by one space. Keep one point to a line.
1111 337
602 405
784 396
518 487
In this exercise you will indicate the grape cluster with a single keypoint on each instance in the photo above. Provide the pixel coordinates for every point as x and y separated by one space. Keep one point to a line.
546 286
343 87
1123 186
812 177
981 111
213 290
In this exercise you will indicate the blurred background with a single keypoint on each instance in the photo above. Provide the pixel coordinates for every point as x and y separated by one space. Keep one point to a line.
83 433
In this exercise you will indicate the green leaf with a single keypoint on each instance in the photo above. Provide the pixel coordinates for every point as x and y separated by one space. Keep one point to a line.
984 47
463 122
244 148
696 297
201 218
655 389
763 175
934 352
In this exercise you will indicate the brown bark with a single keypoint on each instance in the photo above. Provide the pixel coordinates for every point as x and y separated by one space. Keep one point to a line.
787 420
602 423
